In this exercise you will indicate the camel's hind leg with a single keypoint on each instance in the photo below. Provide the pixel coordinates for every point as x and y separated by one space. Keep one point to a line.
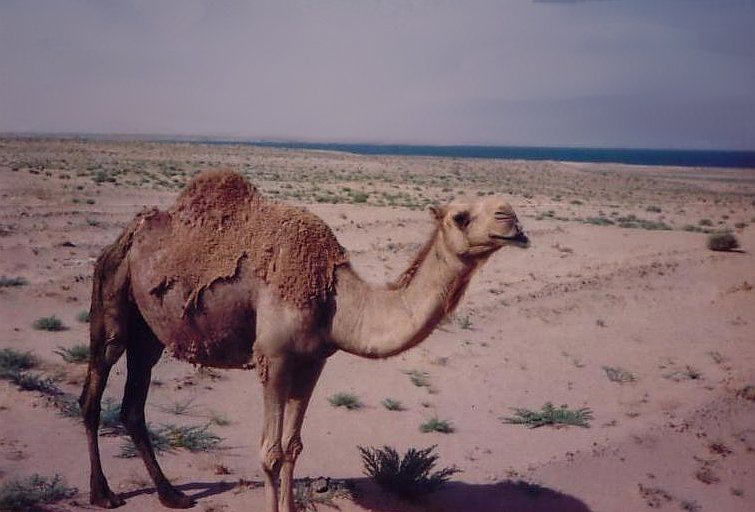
142 354
107 346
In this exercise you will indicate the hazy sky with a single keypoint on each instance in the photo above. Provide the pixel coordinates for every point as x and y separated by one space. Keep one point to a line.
630 73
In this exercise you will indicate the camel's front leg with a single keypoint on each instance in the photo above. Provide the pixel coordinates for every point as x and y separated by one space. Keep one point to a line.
276 382
303 383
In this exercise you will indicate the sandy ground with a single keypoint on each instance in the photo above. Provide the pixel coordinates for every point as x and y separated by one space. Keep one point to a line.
536 326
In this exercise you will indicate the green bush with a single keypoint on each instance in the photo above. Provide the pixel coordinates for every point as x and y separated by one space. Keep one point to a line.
195 438
550 415
31 493
347 400
48 323
76 354
13 362
409 476
6 282
436 425
722 242
392 405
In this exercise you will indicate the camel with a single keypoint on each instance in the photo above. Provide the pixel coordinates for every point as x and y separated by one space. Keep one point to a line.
228 279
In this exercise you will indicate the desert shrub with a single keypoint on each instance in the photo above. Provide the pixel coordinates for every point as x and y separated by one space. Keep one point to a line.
83 317
7 282
694 229
392 404
620 375
599 221
48 323
13 362
722 241
194 438
76 354
359 197
653 209
409 476
465 322
14 366
346 400
33 492
68 406
110 417
179 407
34 382
550 415
419 378
705 222
436 425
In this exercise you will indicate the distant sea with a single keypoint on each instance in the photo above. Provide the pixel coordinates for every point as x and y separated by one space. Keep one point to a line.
672 157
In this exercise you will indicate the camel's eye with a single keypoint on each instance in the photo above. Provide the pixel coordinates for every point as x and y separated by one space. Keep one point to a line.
461 219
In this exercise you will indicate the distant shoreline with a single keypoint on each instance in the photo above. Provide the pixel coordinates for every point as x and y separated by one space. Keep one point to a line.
630 156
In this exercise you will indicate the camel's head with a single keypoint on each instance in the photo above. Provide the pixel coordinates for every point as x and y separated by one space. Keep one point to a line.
479 228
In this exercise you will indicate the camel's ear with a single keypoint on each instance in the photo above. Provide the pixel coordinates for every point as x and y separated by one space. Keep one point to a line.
436 211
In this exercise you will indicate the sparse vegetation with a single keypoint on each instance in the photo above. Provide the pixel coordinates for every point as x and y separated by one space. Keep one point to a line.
10 282
13 362
725 241
409 476
550 415
392 405
33 492
196 438
179 407
419 378
346 400
599 221
465 322
48 323
687 373
619 375
436 425
76 354
83 317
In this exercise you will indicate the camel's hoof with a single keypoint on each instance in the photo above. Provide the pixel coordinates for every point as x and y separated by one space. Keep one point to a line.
106 499
176 499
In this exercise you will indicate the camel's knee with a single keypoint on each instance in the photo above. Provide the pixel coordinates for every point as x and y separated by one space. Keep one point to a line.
292 448
271 458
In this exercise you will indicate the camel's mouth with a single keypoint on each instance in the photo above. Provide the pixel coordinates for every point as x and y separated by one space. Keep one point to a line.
519 240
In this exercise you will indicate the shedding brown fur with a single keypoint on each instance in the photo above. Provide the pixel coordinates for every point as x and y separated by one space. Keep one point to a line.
221 219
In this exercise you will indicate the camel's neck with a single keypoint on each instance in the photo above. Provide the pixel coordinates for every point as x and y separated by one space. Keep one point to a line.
384 321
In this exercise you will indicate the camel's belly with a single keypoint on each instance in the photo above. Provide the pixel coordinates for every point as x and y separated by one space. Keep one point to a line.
220 332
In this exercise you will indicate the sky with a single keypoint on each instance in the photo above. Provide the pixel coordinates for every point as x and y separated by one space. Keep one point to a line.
595 73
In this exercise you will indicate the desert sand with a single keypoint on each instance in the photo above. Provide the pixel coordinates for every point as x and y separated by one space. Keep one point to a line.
618 283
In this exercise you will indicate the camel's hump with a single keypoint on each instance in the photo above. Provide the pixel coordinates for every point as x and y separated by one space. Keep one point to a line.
221 218
214 190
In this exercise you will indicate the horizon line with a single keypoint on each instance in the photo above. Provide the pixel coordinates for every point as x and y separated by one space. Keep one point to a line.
228 138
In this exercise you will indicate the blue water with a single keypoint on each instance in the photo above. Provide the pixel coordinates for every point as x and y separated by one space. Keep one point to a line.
673 157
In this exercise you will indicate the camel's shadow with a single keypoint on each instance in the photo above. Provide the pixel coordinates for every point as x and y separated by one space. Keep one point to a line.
508 495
